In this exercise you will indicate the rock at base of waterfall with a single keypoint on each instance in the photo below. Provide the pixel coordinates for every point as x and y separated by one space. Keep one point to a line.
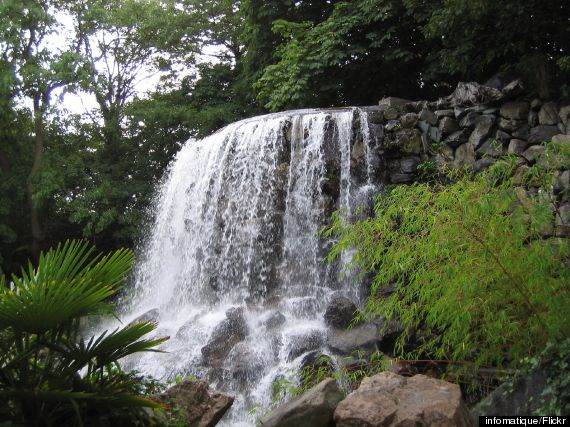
151 315
388 399
195 403
314 408
304 342
275 320
406 141
387 332
340 312
228 333
363 337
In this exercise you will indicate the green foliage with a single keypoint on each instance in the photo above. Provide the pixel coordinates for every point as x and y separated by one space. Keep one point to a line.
364 49
474 278
49 373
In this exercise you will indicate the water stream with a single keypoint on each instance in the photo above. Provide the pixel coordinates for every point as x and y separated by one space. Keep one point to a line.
236 227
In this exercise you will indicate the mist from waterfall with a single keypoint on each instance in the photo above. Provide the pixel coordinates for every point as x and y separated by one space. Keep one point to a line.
236 225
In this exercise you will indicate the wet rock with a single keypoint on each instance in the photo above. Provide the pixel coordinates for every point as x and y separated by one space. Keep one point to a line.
444 155
244 364
482 130
523 398
401 178
484 163
533 118
375 116
444 113
501 136
391 113
561 181
340 312
515 110
448 125
533 153
539 134
151 315
275 320
469 120
423 125
195 403
406 141
513 89
434 134
473 93
522 133
409 164
228 333
387 332
409 120
314 408
535 104
304 342
392 125
548 114
390 400
517 146
562 221
391 101
428 116
509 125
457 138
363 337
564 114
464 156
561 139
490 148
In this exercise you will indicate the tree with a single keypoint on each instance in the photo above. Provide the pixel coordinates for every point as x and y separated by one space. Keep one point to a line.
364 50
37 70
49 373
476 38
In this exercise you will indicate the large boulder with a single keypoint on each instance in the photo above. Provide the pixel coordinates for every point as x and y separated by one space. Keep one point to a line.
521 398
304 342
228 333
363 337
340 312
388 399
314 408
482 130
195 403
515 110
541 133
406 141
472 93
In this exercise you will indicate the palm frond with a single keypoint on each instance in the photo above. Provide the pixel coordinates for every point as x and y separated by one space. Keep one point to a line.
67 284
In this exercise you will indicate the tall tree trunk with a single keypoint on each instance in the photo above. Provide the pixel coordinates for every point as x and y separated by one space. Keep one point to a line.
37 232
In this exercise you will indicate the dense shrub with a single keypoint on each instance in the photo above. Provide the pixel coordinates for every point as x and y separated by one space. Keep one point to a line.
476 269
50 375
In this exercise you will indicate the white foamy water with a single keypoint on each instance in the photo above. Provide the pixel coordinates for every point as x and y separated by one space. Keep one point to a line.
237 221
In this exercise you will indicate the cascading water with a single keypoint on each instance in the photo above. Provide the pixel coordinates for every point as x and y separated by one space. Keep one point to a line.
234 264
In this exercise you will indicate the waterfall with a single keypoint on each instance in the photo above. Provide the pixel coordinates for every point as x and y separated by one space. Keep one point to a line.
234 248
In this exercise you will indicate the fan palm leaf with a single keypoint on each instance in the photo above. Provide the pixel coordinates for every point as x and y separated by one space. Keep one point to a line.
68 283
